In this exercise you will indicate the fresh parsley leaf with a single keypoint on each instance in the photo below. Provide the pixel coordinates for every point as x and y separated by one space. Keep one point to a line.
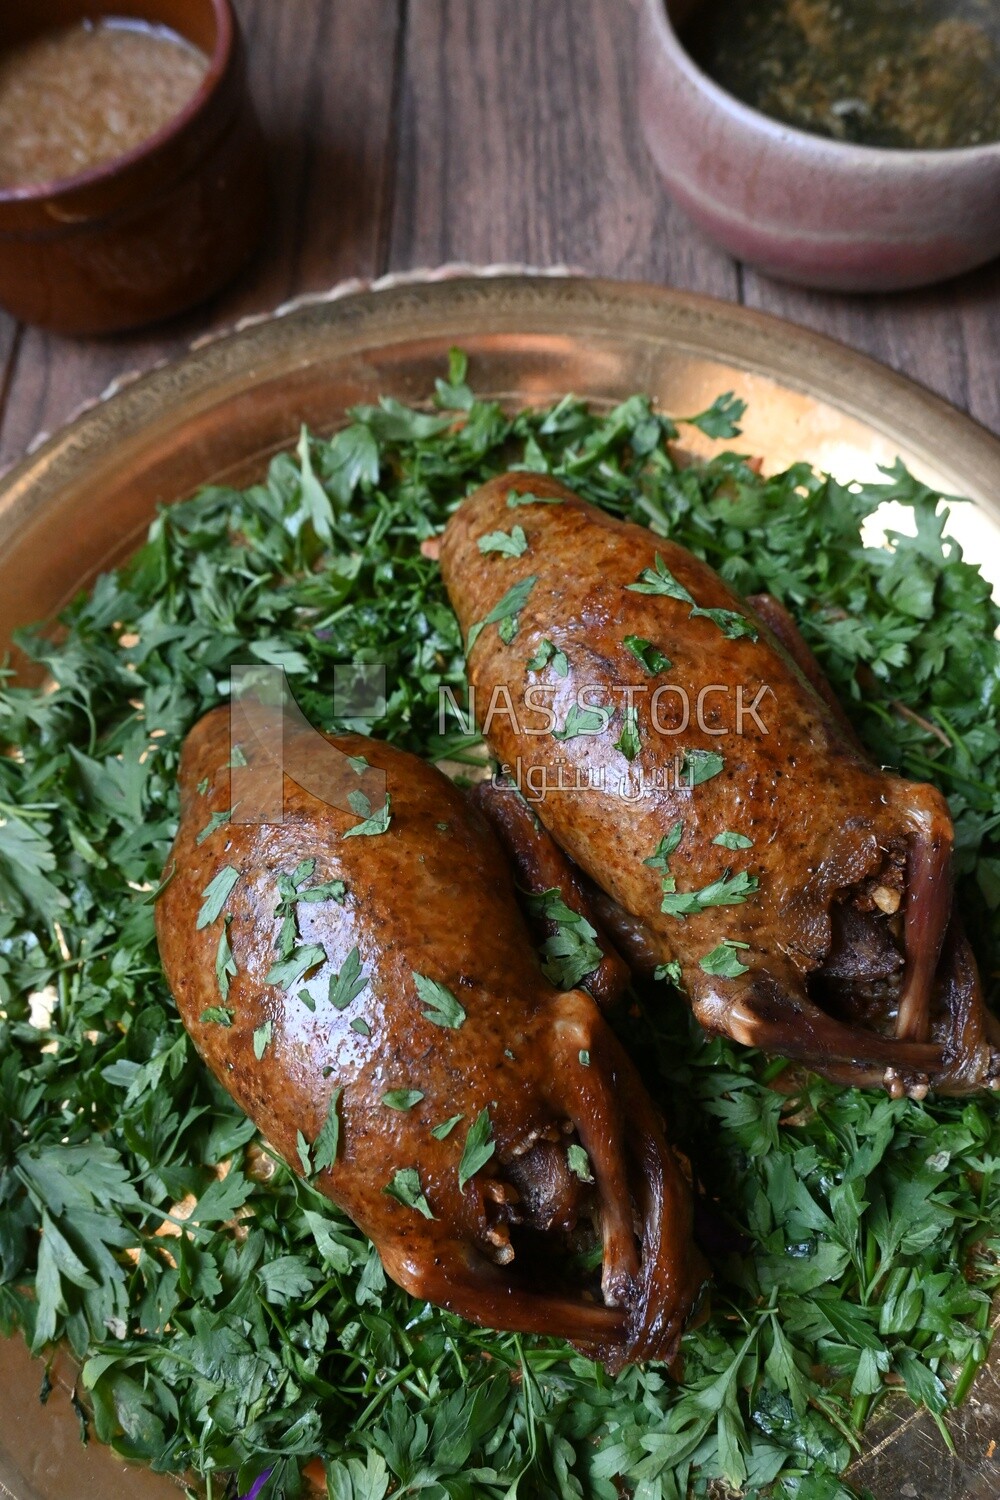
217 1015
723 960
479 1147
628 742
214 823
440 1132
377 823
669 844
525 497
647 655
401 1099
302 1148
546 654
721 419
454 393
660 580
579 1163
288 971
215 895
327 890
327 1143
698 766
361 1026
730 840
589 720
584 1057
671 971
732 624
406 1189
728 890
346 986
572 951
442 1006
225 963
359 804
511 543
504 612
262 1038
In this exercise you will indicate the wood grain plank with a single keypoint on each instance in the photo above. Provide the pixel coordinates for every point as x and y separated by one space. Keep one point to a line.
520 142
945 337
323 77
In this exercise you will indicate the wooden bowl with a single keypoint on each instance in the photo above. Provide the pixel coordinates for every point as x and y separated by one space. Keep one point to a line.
799 207
156 230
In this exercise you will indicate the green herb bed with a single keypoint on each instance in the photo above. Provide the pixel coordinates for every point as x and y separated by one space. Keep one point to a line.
853 1237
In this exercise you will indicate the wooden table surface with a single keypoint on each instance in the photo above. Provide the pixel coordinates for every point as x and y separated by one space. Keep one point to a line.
407 133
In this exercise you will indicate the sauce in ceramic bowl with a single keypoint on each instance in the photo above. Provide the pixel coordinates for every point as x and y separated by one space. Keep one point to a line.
905 74
74 98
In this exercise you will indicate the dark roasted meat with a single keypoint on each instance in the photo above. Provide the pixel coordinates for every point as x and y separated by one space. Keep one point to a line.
408 994
684 749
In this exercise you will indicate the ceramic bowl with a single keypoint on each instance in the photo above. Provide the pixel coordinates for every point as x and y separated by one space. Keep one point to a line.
156 230
800 207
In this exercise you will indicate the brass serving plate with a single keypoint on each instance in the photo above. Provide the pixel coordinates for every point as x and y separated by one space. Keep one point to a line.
84 498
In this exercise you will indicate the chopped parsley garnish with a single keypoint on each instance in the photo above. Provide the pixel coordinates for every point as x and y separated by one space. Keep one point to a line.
361 1026
730 840
214 823
377 823
262 1038
302 1147
628 742
668 845
225 963
728 890
588 720
505 613
722 418
401 1099
670 971
215 895
700 765
584 1057
479 1147
346 986
405 1188
525 497
724 961
442 1006
579 1163
660 580
647 655
572 952
288 971
548 654
440 1132
216 1015
327 1143
512 543
327 890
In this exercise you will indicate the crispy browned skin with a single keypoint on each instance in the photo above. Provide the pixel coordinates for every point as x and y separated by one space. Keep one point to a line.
855 963
432 896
